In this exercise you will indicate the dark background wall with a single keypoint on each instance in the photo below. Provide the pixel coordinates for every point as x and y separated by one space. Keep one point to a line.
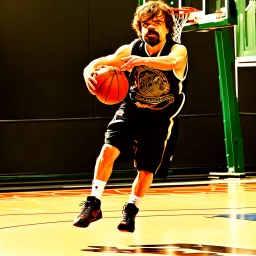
50 124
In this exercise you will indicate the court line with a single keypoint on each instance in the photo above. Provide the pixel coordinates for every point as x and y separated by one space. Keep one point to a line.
206 188
110 217
153 210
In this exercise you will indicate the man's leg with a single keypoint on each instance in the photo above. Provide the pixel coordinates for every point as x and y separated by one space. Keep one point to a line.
91 208
140 187
103 169
105 162
142 183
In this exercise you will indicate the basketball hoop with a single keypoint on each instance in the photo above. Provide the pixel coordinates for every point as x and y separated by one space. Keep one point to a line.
180 17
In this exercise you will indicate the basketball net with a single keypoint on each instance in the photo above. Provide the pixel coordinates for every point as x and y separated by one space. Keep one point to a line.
180 17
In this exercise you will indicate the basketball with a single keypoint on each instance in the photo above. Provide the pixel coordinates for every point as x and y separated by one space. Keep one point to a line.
112 85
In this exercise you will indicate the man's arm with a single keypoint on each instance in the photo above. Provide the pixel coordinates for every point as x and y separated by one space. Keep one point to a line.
110 60
175 60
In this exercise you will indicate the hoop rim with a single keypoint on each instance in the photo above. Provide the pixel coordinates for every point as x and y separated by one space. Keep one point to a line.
184 9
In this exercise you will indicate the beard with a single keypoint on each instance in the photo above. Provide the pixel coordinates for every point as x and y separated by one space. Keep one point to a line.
152 40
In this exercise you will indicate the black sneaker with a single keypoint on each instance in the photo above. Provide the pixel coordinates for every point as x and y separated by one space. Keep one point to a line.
128 222
90 212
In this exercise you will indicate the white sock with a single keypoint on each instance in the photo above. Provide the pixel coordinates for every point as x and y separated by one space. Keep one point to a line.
135 200
98 188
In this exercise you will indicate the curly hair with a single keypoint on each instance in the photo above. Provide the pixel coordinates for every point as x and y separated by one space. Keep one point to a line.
150 10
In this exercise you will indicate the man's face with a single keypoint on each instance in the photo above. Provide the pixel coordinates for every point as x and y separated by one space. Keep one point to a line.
154 31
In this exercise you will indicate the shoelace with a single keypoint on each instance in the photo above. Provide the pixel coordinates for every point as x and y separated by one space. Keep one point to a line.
86 207
125 213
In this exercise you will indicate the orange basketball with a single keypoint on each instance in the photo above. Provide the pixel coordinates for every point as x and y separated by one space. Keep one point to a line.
112 85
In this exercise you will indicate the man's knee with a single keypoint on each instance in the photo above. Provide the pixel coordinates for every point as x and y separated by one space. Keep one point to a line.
145 173
109 153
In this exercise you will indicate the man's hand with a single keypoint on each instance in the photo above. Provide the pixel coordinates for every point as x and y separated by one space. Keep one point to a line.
131 62
90 80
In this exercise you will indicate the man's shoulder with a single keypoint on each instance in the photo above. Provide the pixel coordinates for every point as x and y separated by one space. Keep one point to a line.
137 42
138 46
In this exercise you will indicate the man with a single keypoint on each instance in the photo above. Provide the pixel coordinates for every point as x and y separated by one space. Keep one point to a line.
146 120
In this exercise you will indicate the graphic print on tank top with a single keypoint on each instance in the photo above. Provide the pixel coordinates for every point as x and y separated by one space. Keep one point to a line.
156 89
151 88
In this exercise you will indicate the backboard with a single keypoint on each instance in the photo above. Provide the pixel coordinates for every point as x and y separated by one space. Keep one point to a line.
212 14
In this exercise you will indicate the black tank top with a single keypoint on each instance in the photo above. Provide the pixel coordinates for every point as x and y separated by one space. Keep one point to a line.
153 88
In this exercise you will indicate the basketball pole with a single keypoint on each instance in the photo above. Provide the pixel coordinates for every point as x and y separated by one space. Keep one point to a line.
141 2
230 111
231 119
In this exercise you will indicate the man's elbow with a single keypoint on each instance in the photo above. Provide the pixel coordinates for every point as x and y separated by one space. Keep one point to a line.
173 64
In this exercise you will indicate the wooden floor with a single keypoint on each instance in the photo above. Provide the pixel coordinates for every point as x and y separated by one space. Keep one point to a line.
188 220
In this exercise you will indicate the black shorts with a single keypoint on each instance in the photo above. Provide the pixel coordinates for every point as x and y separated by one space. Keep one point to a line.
150 136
